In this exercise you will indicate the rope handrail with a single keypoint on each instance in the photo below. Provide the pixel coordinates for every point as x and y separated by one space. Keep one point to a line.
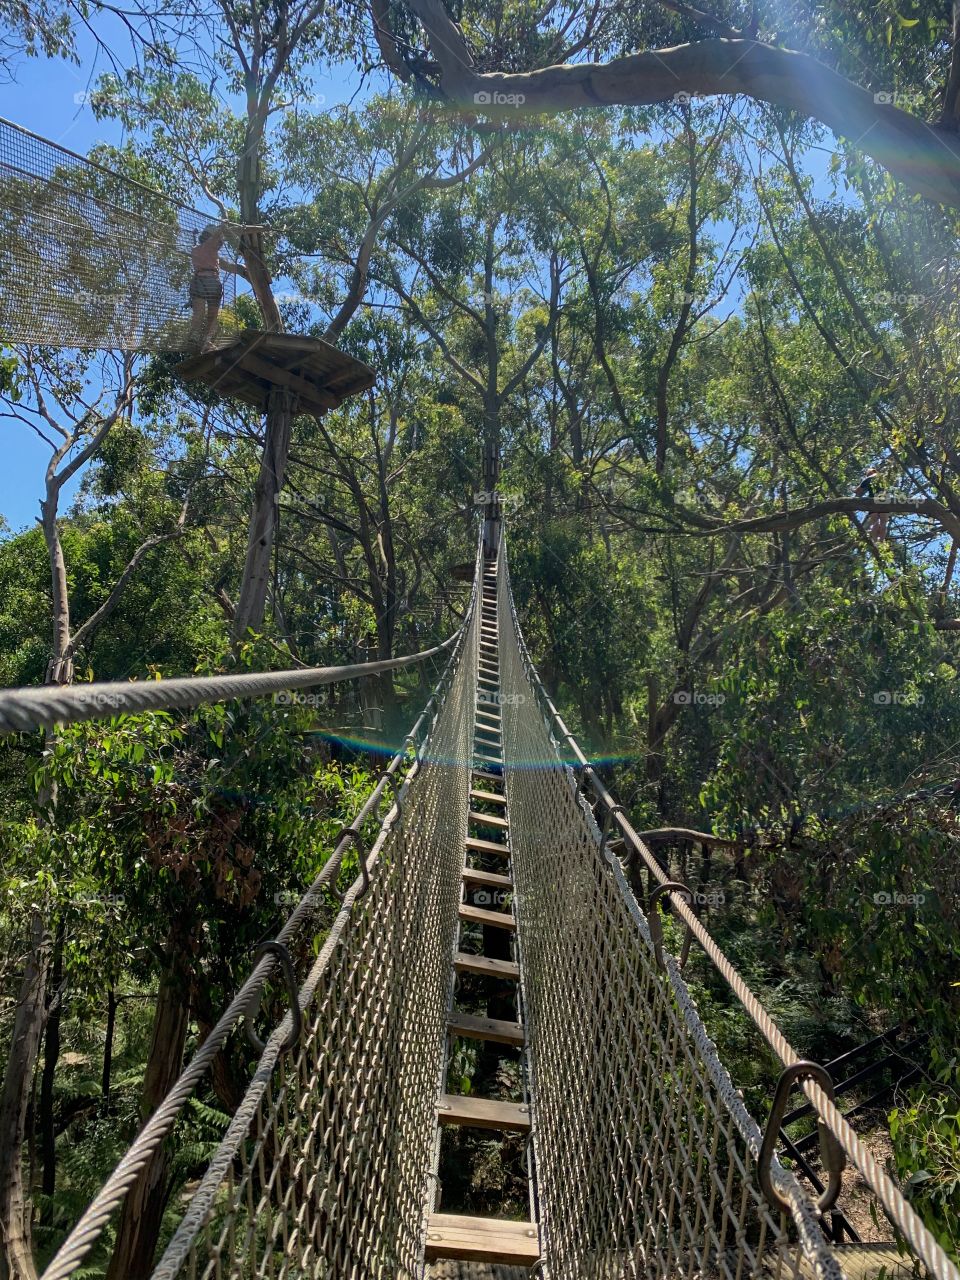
90 1226
921 1240
24 709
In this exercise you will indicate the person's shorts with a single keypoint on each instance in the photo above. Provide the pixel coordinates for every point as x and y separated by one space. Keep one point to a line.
206 288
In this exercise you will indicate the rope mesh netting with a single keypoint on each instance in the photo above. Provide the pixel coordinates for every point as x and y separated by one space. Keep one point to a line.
92 259
644 1149
645 1155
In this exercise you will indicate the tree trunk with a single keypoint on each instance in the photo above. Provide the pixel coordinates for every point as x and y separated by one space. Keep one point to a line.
51 1054
16 1254
16 1212
252 601
60 669
263 518
108 1051
146 1200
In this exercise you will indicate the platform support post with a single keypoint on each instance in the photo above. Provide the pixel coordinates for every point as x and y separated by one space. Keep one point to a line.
251 605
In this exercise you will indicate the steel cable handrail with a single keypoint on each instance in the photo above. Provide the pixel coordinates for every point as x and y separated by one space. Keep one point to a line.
22 710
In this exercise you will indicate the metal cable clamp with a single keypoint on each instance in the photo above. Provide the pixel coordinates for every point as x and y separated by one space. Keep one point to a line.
608 823
351 834
391 779
832 1155
277 949
655 925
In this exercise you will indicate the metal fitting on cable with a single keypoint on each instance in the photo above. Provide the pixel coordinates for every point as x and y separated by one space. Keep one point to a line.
390 778
582 770
351 834
833 1158
608 817
655 925
277 949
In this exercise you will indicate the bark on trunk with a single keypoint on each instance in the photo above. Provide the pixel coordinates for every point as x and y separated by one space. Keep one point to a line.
143 1208
108 1051
16 1254
251 605
16 1210
51 1054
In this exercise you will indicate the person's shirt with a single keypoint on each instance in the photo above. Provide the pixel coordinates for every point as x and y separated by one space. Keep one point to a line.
205 256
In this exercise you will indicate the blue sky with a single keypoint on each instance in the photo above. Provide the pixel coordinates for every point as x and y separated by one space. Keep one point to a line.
43 98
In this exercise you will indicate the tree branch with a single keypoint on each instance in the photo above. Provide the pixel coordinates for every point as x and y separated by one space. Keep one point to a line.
924 156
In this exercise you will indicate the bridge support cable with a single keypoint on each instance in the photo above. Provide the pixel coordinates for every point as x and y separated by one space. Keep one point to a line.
647 1158
44 707
324 1169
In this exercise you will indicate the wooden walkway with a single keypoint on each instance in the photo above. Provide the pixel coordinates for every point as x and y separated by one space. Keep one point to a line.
462 1247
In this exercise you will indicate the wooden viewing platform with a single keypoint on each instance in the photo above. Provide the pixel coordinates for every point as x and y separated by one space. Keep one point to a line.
319 375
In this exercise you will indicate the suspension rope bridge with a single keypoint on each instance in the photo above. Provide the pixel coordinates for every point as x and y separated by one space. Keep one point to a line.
492 884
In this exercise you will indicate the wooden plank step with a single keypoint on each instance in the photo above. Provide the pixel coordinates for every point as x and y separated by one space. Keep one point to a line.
486 775
468 1239
489 709
486 967
473 1027
489 919
483 1113
473 875
476 845
491 797
492 731
490 819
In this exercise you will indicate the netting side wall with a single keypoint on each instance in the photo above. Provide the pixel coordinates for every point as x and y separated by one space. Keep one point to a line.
325 1171
91 259
644 1151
